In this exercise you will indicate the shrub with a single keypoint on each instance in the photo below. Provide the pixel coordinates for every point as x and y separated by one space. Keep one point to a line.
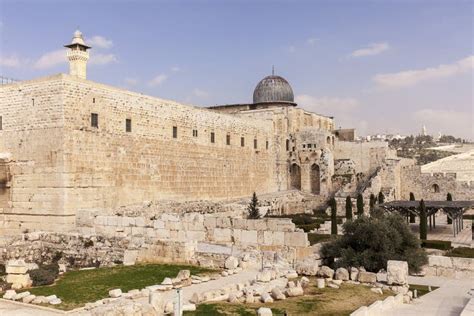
317 238
381 198
88 243
436 244
371 241
253 212
44 275
371 202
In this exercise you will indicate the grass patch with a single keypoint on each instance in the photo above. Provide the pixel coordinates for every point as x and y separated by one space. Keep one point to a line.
463 252
421 289
316 301
75 288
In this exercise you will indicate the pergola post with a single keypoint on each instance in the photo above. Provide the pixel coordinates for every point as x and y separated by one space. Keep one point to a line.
431 225
462 221
434 220
454 227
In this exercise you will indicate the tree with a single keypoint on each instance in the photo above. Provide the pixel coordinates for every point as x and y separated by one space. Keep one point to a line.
370 242
412 215
381 197
449 197
423 221
348 208
371 202
360 204
253 212
333 205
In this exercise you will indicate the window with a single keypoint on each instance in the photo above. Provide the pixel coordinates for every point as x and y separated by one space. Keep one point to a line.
1 123
195 133
128 125
213 137
227 139
33 102
95 120
255 143
287 145
175 132
93 100
309 145
242 141
266 144
435 188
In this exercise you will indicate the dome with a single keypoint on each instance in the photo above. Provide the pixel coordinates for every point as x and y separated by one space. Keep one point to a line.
273 89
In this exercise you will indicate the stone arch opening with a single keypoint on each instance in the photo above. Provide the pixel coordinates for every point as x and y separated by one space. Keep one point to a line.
328 140
435 188
315 179
295 177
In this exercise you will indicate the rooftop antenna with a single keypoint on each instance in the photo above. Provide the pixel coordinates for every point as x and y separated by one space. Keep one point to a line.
273 70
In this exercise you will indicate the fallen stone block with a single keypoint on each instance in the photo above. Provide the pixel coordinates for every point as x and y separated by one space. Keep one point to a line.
333 286
277 294
367 277
264 311
28 299
183 275
320 283
21 295
115 293
397 272
294 291
326 272
231 262
167 281
9 294
354 274
266 298
56 301
307 268
342 274
377 290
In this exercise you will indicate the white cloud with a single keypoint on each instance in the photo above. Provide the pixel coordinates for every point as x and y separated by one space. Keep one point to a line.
98 41
175 69
311 41
326 105
11 61
157 80
371 50
51 59
413 77
200 93
131 81
102 59
445 121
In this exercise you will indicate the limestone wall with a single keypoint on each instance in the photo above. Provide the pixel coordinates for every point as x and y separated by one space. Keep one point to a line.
367 156
450 267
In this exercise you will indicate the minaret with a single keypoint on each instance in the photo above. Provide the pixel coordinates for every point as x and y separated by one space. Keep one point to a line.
78 56
423 131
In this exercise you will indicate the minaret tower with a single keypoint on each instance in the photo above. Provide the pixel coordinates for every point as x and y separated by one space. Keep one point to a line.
78 56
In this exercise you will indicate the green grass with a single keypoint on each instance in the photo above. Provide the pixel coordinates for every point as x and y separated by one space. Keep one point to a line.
468 216
463 252
421 289
436 244
75 288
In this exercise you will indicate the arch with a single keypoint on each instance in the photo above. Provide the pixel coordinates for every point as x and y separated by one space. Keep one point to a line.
333 140
295 177
435 188
328 140
315 179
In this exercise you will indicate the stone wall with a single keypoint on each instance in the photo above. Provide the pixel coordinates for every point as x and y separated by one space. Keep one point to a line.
423 185
367 156
450 267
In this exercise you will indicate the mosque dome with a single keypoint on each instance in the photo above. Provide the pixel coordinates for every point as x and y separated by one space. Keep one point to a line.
273 89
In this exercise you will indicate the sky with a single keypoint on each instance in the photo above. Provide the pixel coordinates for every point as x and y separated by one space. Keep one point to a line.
377 66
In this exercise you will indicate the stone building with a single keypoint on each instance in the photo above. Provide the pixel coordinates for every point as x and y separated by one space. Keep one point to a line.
69 144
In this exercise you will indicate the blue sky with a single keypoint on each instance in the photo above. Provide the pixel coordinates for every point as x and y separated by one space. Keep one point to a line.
379 66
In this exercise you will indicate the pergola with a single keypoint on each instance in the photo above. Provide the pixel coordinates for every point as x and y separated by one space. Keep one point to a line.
454 210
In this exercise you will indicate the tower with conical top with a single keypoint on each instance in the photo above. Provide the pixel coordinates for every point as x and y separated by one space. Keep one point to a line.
78 56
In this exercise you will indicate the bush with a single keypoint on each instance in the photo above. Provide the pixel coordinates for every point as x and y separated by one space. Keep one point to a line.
348 208
463 252
317 238
44 275
370 242
436 244
252 209
360 204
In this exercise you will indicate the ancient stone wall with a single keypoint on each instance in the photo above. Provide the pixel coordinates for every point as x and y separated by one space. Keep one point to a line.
450 267
367 156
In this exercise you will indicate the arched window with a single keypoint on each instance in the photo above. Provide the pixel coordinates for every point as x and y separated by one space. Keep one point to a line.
295 177
328 140
435 188
315 179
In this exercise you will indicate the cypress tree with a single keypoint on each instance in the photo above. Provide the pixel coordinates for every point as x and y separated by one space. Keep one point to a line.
423 221
360 204
371 202
449 197
333 205
348 208
412 216
253 212
381 197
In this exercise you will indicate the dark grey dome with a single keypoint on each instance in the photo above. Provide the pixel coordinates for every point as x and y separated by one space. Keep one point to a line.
273 89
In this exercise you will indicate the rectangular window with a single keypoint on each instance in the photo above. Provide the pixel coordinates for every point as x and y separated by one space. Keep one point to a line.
128 125
175 132
33 102
195 133
287 145
93 100
255 143
213 136
242 141
95 120
309 145
266 144
1 123
227 139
